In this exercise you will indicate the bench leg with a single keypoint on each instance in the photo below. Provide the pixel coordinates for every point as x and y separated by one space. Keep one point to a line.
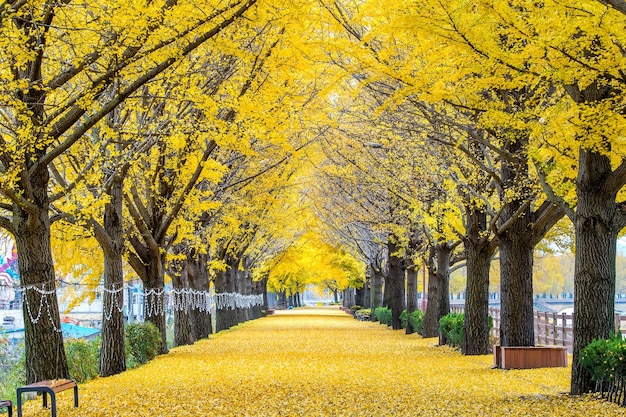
53 405
19 403
76 396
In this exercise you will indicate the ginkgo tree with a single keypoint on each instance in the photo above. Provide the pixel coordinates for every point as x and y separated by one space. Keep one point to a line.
58 60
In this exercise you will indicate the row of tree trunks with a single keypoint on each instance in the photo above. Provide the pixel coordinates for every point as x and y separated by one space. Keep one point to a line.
234 280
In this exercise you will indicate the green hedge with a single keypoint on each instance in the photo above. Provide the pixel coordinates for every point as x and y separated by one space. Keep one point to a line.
416 318
383 315
82 358
143 341
605 360
451 327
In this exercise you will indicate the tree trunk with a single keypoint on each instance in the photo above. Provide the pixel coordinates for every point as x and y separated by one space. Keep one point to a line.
594 281
225 316
516 254
349 297
112 359
183 334
396 282
240 288
198 276
154 307
45 354
438 289
376 291
258 289
476 316
411 297
362 297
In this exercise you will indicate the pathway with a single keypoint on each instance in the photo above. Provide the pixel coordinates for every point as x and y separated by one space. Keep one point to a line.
321 362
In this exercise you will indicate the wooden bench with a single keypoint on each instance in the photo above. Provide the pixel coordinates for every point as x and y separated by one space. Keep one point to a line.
45 388
8 405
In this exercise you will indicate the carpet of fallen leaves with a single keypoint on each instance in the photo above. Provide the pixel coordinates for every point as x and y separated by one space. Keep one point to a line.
321 362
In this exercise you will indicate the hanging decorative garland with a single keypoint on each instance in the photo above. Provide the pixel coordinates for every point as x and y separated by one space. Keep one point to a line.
43 298
117 301
182 299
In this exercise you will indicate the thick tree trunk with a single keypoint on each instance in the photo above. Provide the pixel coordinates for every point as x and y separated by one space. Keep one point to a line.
198 276
154 307
362 297
376 291
183 334
516 287
396 282
240 288
45 354
411 297
112 359
476 316
594 281
438 289
258 288
262 288
516 254
225 316
349 297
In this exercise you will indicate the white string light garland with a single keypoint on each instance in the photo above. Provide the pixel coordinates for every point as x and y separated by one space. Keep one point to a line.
178 299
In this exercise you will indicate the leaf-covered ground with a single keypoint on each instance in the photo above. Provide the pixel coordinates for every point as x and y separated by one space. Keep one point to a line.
321 362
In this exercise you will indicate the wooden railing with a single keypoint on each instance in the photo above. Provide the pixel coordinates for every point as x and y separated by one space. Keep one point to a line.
550 328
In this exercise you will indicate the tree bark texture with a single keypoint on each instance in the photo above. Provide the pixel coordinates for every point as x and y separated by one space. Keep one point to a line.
438 289
396 281
154 306
376 291
476 316
112 359
362 297
45 353
183 334
225 317
516 253
198 276
597 225
411 297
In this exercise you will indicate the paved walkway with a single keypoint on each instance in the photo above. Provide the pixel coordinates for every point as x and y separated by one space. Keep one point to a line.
321 362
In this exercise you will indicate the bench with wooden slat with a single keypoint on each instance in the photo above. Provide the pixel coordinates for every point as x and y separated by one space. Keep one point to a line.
45 388
8 405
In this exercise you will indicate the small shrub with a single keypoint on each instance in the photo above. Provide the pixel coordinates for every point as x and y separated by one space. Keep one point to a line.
82 358
605 360
143 341
451 326
355 308
416 318
12 369
383 315
362 313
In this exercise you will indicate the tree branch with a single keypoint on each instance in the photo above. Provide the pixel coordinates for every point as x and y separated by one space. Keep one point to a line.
617 179
619 5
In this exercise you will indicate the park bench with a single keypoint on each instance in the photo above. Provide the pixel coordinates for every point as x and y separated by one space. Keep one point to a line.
8 405
45 388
